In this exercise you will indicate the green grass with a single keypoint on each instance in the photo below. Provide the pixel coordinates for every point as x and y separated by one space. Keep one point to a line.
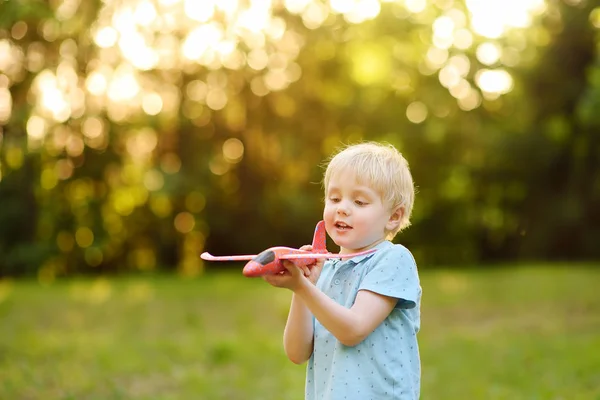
519 333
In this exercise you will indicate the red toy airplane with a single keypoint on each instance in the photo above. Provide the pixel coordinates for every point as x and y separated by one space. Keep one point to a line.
269 262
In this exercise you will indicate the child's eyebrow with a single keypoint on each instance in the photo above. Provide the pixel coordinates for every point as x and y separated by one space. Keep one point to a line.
362 192
355 192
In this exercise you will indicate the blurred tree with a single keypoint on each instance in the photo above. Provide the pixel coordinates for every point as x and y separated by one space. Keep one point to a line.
134 134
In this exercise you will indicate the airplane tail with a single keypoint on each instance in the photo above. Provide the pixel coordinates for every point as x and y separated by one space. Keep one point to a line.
319 243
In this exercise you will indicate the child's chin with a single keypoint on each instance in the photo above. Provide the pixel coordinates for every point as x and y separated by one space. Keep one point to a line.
347 245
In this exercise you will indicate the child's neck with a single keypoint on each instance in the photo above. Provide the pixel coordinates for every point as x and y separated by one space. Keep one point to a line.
368 247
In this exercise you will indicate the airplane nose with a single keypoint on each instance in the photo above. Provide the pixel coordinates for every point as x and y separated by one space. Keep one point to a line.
253 269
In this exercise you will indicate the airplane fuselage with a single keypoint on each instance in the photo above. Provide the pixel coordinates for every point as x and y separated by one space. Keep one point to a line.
268 262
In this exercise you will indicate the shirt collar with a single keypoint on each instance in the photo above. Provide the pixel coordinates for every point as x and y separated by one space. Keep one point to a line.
358 259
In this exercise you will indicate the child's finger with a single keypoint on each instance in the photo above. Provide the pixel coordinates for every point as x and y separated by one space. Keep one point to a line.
290 266
275 280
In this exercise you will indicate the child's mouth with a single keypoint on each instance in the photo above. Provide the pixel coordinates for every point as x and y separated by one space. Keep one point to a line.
342 226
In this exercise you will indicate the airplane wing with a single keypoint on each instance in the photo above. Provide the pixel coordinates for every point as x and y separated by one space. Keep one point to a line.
324 255
209 257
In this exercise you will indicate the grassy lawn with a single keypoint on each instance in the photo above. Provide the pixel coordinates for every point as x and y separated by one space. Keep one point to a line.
520 333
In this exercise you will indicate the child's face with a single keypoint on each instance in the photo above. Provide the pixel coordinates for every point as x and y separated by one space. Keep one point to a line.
355 216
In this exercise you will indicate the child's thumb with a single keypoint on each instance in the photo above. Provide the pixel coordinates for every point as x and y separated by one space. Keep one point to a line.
291 267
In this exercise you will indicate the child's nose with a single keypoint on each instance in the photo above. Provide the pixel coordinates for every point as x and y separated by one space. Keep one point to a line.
343 208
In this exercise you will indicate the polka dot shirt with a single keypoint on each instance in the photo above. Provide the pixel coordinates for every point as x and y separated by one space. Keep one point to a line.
386 364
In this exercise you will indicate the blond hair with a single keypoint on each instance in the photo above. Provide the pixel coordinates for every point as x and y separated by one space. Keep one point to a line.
383 168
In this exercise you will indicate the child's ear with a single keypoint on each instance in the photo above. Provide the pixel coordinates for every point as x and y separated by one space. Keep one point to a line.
395 219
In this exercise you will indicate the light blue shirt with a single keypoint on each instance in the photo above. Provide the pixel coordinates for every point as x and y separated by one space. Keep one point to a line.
386 364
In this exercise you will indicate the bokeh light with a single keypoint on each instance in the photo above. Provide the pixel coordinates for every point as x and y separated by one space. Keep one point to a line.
416 112
134 36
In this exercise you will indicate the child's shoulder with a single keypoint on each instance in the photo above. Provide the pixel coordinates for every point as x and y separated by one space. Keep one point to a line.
389 253
389 249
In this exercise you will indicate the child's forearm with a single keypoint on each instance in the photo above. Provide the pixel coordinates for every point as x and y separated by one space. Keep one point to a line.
342 322
298 333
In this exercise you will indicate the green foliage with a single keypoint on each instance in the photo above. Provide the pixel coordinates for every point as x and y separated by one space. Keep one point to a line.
12 11
512 333
141 166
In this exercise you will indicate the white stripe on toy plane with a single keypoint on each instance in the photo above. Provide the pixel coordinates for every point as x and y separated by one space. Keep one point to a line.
324 255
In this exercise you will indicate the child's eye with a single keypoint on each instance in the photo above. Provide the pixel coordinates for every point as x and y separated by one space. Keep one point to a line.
334 199
360 203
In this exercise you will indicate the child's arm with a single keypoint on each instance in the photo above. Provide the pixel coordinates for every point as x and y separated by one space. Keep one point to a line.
298 333
349 326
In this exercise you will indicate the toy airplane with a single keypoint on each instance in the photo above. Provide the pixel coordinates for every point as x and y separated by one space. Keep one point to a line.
269 262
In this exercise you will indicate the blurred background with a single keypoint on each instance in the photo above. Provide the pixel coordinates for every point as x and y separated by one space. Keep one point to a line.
135 134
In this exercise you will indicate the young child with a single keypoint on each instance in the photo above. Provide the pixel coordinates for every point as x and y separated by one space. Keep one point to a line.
356 320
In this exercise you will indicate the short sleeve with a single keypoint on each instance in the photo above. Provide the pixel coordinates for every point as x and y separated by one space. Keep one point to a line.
393 273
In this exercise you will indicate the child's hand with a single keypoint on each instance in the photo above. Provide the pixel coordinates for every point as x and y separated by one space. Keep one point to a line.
290 278
314 270
293 275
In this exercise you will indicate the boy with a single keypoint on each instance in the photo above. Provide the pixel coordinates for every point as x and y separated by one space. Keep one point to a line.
356 320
